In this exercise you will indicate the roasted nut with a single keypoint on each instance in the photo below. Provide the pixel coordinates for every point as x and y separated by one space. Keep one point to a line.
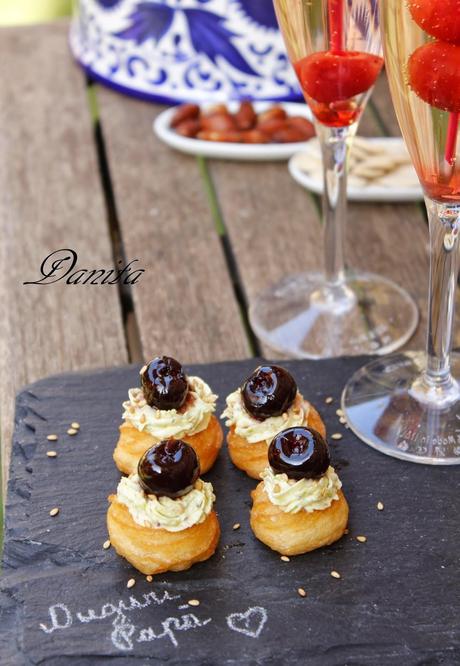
303 125
288 135
254 136
216 109
228 136
189 128
245 117
185 112
218 122
272 113
270 126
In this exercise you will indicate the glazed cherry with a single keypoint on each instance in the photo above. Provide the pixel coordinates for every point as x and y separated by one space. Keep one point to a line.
164 383
269 391
169 468
301 453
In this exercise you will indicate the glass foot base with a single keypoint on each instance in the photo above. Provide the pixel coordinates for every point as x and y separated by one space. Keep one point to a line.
383 408
305 318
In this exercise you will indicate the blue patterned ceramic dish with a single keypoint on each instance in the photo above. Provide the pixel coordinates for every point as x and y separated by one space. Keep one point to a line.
184 50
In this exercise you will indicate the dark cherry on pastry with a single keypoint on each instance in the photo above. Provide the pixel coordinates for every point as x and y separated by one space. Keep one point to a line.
169 468
269 391
164 383
299 452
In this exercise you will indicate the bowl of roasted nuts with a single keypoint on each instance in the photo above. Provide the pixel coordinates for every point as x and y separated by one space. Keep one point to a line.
237 130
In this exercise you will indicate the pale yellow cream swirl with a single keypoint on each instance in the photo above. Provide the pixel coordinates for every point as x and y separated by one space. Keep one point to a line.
173 515
164 423
303 495
256 431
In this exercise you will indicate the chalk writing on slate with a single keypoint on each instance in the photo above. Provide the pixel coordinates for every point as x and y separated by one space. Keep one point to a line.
124 633
249 623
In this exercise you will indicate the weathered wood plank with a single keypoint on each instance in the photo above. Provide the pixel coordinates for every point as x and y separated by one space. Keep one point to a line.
186 305
272 223
50 197
275 230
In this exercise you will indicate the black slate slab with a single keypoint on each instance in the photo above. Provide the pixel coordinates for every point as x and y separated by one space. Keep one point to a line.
64 599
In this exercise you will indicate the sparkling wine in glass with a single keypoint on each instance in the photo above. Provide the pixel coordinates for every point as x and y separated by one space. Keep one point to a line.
335 49
408 405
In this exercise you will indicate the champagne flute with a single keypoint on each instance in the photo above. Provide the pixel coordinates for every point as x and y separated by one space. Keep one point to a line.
335 48
408 405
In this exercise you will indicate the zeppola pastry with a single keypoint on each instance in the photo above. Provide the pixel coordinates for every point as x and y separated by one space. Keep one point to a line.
299 505
168 404
268 402
162 517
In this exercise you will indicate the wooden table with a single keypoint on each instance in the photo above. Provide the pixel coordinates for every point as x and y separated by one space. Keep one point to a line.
80 168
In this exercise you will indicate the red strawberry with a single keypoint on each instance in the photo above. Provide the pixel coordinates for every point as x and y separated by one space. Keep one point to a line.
439 18
434 75
334 77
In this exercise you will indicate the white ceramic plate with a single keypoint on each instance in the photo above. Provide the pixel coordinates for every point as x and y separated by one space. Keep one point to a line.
232 151
312 180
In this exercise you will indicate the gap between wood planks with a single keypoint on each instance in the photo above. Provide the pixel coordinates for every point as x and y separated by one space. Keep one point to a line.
130 324
232 266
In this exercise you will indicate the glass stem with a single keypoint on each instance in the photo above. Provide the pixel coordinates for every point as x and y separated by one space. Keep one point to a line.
335 147
437 385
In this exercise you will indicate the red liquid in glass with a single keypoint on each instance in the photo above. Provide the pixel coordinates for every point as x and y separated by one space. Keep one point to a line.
334 82
439 190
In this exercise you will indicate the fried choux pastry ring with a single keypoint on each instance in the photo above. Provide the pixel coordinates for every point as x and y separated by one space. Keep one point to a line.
299 505
162 518
169 404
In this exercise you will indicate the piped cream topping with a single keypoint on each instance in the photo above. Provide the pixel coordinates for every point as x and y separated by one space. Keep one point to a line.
173 515
163 423
309 495
253 430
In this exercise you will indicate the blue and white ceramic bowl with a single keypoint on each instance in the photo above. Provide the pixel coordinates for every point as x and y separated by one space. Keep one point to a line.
184 50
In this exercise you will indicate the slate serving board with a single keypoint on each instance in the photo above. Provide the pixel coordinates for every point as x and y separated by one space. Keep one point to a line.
64 599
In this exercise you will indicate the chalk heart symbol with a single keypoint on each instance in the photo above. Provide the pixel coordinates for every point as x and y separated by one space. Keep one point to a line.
249 623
